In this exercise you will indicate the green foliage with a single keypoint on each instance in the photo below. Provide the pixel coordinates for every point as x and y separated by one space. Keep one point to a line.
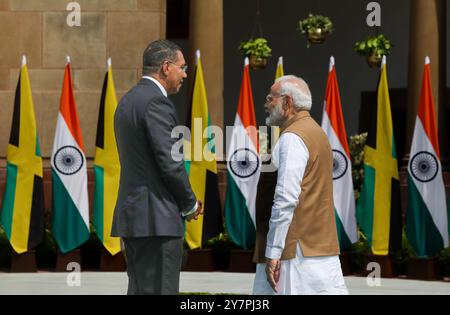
91 251
444 260
403 255
221 246
256 47
356 146
46 251
314 22
357 252
375 45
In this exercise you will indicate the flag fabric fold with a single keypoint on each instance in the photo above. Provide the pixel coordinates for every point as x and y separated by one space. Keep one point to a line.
344 198
70 206
106 166
279 73
244 167
202 167
426 216
22 213
280 69
378 211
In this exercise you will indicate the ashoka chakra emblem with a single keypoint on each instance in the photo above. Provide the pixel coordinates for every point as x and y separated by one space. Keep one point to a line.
244 163
424 167
340 164
68 160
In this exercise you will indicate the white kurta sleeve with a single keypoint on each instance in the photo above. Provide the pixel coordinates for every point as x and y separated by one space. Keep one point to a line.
291 157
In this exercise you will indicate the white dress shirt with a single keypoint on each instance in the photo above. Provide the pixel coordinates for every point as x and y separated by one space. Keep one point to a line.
290 156
163 90
300 275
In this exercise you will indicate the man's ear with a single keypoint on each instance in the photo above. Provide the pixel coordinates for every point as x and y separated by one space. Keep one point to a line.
288 103
164 70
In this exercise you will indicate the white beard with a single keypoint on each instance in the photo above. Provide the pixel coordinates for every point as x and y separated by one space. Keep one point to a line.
275 118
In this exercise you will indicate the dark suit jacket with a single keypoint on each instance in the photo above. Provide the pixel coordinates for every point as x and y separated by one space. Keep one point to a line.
154 189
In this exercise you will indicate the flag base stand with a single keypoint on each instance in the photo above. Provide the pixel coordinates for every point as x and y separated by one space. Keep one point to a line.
345 263
241 261
109 262
25 262
423 269
383 264
63 260
201 259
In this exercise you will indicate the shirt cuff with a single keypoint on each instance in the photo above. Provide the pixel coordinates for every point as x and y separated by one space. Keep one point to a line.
186 214
273 252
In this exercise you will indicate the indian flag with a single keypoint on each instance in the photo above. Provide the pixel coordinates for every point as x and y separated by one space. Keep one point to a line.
106 166
70 206
343 194
22 212
244 167
426 216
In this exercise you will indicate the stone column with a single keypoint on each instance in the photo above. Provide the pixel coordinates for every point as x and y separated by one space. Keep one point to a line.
427 38
206 34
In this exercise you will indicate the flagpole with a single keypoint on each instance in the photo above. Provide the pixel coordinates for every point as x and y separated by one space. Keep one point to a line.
197 55
332 63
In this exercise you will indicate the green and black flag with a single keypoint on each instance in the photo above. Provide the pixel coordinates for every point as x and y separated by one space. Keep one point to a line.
202 167
378 211
22 213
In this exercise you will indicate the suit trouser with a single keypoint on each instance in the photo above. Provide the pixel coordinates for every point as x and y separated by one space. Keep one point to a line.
153 264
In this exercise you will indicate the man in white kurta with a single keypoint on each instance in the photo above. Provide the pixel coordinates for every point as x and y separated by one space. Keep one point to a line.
301 275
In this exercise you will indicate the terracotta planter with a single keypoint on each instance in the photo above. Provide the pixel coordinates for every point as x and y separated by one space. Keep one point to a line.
242 261
257 63
199 260
316 36
424 269
63 260
344 257
374 61
385 264
25 262
109 262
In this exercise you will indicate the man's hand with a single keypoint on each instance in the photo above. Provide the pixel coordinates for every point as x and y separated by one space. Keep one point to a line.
273 272
197 213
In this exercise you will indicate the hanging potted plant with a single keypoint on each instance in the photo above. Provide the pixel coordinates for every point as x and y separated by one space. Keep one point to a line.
258 51
374 48
316 28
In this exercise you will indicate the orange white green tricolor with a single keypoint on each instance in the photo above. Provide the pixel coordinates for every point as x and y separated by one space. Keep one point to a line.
70 206
334 126
426 217
244 167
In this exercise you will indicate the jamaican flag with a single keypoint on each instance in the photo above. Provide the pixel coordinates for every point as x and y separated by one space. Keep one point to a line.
202 167
106 166
378 211
22 213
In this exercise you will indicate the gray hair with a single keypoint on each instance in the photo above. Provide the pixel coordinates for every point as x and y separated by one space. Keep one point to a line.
156 53
298 89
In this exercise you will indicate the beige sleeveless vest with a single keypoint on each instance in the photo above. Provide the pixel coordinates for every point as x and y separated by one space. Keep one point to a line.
313 224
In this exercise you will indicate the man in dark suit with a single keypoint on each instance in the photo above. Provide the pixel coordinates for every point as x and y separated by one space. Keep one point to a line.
155 196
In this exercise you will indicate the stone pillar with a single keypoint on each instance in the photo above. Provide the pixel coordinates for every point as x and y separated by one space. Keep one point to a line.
427 38
206 34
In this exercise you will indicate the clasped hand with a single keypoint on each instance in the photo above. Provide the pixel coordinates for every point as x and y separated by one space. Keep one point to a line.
196 214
